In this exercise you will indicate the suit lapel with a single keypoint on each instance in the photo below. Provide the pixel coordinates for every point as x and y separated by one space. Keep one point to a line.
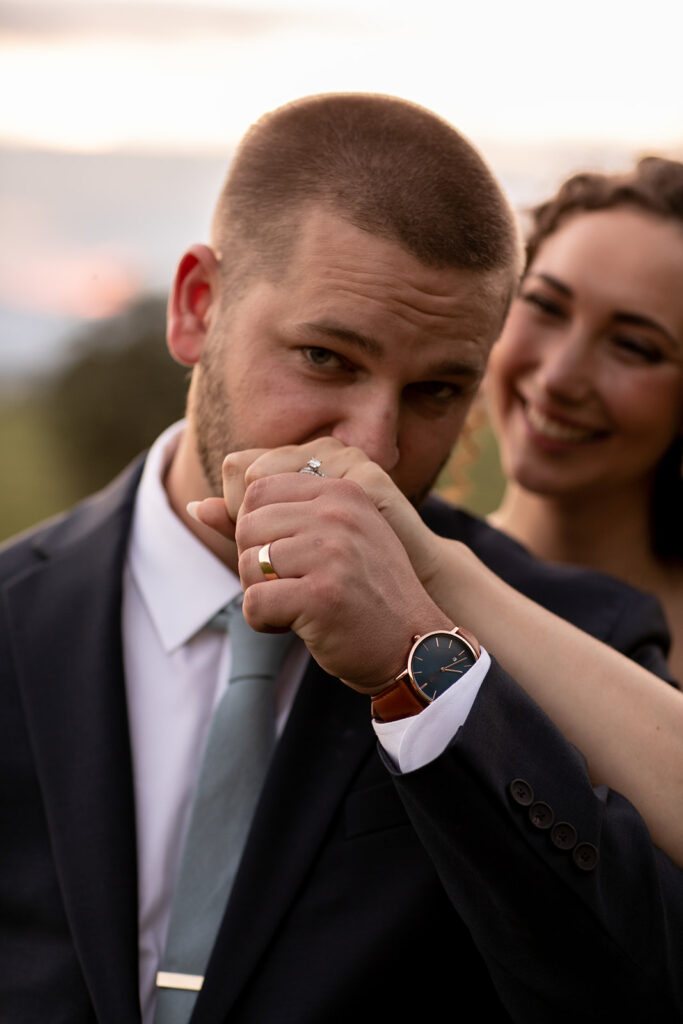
66 616
328 726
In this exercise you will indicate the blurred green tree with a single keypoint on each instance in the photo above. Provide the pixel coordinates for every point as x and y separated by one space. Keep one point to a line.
118 391
473 476
69 434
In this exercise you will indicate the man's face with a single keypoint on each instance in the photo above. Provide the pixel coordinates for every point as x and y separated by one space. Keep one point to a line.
359 341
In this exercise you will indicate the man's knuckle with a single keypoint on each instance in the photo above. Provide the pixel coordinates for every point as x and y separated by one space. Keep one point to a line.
254 496
251 605
243 529
244 561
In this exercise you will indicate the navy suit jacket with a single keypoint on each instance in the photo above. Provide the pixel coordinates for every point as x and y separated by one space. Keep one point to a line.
360 891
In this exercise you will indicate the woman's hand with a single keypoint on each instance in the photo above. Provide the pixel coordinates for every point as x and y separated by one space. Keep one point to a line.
338 461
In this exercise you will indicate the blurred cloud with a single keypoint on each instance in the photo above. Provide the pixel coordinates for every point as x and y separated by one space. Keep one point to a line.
43 271
92 74
83 283
47 20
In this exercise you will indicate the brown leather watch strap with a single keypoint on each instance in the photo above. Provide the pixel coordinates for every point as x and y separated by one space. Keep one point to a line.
397 700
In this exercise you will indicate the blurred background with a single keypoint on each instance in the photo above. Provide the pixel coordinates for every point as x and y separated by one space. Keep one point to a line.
117 124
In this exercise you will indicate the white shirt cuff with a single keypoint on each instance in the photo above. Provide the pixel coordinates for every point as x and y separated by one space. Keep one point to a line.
414 742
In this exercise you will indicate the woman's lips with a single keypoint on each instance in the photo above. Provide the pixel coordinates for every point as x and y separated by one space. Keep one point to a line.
549 428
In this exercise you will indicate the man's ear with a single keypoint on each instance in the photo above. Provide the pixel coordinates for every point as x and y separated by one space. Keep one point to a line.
194 292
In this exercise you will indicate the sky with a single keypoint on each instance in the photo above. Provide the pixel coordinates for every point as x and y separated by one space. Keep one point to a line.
101 73
542 88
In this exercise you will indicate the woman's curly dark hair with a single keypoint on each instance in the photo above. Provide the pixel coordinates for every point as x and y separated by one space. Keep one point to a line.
655 186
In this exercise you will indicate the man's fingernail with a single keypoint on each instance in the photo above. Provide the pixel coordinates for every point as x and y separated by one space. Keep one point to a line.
191 509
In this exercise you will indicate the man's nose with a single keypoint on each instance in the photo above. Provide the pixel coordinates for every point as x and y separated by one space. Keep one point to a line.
372 424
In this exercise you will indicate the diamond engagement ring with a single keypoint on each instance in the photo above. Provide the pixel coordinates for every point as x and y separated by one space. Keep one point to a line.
313 467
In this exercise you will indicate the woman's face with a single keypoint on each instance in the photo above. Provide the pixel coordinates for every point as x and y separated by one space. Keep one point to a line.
586 380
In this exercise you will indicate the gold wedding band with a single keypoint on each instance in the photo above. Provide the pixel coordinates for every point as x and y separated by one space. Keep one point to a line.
266 564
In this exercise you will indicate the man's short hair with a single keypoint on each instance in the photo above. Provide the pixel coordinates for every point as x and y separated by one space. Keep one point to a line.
387 166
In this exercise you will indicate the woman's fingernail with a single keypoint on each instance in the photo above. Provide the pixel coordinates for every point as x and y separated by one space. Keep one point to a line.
191 509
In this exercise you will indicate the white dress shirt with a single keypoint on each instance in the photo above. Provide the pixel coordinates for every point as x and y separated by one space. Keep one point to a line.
176 672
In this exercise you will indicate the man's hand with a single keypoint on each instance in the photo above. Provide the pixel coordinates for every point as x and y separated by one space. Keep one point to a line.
346 585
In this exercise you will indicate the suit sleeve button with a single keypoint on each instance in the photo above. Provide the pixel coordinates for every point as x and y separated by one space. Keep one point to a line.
541 815
521 792
586 856
563 836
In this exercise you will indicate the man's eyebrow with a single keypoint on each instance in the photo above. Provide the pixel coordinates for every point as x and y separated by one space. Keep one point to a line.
336 332
365 343
455 368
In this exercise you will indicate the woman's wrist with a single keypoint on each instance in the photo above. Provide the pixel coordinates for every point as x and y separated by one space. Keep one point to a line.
448 571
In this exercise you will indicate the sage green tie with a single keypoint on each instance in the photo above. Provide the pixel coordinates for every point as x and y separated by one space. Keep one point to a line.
239 747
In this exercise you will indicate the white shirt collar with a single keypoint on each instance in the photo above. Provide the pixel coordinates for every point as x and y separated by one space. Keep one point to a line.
181 582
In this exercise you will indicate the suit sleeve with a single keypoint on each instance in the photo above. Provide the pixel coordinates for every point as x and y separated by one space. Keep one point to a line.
575 912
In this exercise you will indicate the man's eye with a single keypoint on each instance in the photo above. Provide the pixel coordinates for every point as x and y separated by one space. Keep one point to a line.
322 357
436 391
440 390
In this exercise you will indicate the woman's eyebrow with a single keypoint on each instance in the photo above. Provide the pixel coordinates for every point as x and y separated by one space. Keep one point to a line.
621 316
554 282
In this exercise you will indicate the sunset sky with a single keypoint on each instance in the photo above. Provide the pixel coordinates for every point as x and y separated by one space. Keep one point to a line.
100 73
185 79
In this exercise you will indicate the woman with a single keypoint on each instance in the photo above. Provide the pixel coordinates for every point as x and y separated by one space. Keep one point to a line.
586 384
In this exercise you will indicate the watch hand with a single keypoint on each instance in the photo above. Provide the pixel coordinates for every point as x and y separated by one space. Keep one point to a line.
456 662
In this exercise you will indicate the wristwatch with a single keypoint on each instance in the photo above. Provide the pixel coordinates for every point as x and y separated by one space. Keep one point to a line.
436 661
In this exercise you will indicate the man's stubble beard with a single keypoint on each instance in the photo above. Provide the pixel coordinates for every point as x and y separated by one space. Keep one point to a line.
208 411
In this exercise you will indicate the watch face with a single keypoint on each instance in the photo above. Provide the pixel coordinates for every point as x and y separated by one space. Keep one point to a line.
438 661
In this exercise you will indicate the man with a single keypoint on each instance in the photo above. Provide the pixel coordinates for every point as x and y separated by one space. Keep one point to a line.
361 264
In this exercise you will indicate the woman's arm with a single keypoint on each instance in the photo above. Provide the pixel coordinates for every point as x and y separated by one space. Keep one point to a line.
627 724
